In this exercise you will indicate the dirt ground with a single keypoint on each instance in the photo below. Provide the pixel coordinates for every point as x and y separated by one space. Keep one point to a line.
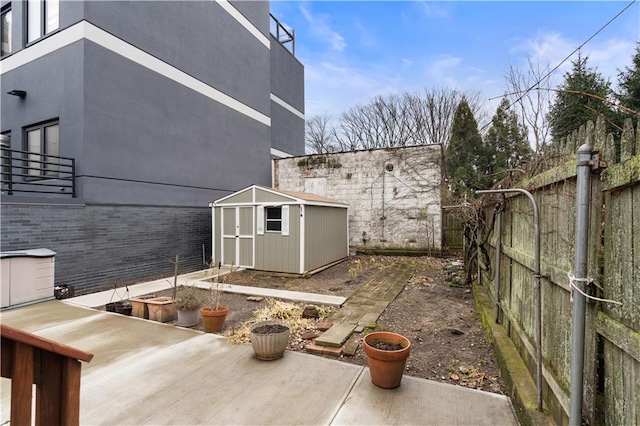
448 342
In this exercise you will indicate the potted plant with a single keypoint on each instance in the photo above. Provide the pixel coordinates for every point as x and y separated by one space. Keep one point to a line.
214 314
269 339
387 355
187 303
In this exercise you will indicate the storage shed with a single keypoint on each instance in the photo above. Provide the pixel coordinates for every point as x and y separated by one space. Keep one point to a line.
279 231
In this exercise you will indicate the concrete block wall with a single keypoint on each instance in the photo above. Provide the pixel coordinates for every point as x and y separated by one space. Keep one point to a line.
99 246
393 194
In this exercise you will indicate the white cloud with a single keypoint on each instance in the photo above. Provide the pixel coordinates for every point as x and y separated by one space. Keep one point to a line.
321 29
551 48
546 48
610 56
442 70
331 87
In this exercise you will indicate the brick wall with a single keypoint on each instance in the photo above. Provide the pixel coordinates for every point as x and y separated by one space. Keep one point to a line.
393 194
98 246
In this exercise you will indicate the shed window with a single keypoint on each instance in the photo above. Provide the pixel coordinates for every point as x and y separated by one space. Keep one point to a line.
274 219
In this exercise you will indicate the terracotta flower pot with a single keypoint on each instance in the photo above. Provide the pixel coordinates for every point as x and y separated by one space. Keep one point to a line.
271 345
386 366
140 307
161 309
213 320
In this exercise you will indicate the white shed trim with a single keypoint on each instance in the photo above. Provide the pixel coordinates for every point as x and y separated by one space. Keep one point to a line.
302 214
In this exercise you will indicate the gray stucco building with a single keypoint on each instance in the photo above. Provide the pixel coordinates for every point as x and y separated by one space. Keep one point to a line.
128 118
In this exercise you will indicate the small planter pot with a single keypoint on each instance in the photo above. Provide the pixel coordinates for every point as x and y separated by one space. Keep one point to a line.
111 306
269 344
188 318
213 320
161 309
124 308
386 366
140 307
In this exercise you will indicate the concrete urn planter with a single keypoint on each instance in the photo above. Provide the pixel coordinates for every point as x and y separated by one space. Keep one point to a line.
269 339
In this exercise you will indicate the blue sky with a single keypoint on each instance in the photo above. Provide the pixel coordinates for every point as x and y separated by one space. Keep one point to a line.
353 51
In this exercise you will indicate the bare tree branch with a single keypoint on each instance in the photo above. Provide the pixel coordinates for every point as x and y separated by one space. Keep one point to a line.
319 138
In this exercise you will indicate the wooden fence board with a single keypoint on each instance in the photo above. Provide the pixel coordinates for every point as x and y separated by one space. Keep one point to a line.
614 264
620 260
622 387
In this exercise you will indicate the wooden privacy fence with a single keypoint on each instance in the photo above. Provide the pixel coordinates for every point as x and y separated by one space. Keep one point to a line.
611 393
54 368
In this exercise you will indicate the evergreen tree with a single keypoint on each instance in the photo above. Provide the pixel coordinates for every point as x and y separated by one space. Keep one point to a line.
574 104
465 158
506 141
629 84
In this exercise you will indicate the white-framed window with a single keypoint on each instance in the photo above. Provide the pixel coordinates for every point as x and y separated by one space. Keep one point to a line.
42 142
43 17
274 219
5 36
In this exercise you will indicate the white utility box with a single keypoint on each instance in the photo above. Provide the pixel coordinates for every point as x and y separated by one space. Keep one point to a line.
26 276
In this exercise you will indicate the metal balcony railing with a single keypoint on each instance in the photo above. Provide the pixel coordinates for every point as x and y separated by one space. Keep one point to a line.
283 35
33 172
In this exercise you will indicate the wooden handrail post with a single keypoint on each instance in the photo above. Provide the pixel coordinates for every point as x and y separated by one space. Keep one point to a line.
54 368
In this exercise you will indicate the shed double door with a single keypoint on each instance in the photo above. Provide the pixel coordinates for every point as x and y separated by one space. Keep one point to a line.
237 236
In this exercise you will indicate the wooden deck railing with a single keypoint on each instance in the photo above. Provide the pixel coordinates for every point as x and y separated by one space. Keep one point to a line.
53 367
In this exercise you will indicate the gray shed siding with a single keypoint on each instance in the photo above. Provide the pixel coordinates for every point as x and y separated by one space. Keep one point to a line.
275 252
269 197
326 236
238 198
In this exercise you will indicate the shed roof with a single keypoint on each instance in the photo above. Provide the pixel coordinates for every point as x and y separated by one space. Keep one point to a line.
299 197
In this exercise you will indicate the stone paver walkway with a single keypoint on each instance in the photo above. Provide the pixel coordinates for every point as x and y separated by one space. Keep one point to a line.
365 306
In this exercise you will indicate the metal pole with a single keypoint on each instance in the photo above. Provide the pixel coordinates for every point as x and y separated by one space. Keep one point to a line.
496 281
536 230
583 200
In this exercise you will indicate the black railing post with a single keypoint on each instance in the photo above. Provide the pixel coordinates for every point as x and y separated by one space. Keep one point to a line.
10 164
73 178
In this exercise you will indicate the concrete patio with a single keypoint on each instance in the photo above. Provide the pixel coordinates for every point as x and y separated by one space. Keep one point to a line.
145 372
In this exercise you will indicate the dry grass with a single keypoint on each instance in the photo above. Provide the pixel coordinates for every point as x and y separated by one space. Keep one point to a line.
289 313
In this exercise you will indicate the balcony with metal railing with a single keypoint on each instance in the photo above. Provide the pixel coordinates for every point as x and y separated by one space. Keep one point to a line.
25 173
286 37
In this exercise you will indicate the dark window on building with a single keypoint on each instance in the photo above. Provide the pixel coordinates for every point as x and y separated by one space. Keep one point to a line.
42 18
5 36
42 142
274 219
